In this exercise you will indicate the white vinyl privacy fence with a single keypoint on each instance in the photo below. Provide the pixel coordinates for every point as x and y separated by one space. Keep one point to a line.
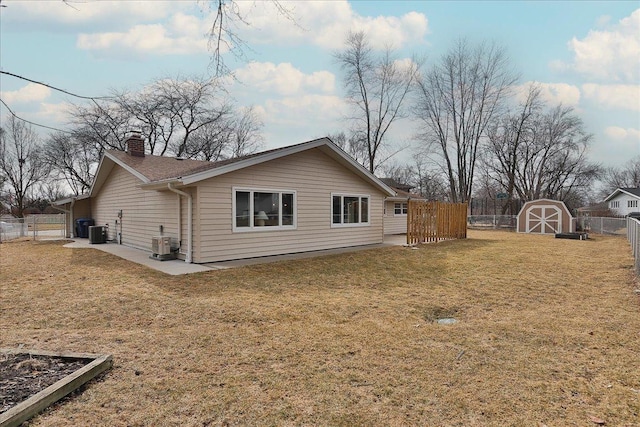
633 235
37 227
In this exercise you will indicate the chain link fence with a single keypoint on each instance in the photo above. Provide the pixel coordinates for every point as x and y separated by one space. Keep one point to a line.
36 227
601 225
633 236
506 222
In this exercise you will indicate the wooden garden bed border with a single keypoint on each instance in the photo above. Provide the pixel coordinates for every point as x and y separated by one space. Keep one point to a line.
41 400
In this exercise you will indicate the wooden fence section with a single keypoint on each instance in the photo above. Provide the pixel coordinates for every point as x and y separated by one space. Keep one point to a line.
433 221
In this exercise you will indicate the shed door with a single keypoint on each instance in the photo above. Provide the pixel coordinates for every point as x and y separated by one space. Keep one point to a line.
544 219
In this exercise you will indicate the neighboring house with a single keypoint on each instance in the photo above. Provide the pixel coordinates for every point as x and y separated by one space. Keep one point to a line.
395 207
305 197
545 216
623 201
597 210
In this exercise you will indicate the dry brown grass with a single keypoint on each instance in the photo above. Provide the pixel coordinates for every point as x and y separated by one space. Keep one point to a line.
548 334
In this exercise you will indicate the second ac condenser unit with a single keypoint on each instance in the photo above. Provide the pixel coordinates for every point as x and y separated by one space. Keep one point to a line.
161 245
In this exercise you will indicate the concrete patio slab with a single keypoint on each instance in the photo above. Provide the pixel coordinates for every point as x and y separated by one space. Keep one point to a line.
178 267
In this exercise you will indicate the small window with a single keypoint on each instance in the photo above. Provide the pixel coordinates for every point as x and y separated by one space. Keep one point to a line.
263 210
349 210
400 209
632 203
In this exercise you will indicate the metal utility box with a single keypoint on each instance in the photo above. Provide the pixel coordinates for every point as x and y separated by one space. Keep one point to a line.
161 248
161 245
97 234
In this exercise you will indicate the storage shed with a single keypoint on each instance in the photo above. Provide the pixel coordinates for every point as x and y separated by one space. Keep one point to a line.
545 216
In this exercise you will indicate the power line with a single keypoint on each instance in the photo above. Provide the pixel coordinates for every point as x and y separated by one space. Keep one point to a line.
30 122
55 88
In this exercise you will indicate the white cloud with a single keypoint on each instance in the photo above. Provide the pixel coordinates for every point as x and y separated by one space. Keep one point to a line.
610 54
325 24
183 35
622 134
552 93
29 93
625 97
285 79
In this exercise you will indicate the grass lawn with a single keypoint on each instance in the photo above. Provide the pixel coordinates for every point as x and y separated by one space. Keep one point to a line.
548 333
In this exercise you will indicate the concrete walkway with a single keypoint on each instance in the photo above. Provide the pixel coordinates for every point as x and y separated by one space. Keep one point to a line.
174 267
177 267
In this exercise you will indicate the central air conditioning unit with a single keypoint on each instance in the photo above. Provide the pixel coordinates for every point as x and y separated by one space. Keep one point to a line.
161 245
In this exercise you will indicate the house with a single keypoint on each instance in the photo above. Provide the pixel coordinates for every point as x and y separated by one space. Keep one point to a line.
544 216
395 207
623 201
305 197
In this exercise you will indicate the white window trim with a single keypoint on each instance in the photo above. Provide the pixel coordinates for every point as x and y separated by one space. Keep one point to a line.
262 229
349 225
401 208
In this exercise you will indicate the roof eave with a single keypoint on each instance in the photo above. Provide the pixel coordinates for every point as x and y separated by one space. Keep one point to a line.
161 184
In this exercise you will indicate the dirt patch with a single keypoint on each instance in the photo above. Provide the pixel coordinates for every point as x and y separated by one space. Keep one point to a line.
23 375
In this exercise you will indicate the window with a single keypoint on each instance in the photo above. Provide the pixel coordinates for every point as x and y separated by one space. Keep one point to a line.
614 204
632 203
400 209
263 209
349 210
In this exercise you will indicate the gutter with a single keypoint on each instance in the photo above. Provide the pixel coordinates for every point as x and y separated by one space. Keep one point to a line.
188 258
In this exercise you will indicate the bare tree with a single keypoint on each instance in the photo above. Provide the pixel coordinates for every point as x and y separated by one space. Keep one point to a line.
71 161
457 99
352 145
553 163
625 176
247 133
21 163
184 117
430 181
224 34
505 136
377 87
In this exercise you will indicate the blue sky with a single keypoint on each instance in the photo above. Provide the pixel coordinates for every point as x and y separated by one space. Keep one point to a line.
585 54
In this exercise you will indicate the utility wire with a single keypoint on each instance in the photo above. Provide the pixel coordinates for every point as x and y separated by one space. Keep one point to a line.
30 122
92 98
55 88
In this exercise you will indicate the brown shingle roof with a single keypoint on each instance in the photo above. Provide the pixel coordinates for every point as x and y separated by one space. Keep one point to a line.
159 168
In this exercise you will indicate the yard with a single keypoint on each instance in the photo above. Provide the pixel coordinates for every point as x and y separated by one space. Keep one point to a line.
548 333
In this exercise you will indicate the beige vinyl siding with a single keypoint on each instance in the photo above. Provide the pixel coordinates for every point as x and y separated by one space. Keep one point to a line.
142 211
313 176
394 224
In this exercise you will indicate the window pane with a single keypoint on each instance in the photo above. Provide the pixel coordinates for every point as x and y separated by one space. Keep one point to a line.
242 209
336 209
398 208
365 208
405 208
287 209
265 209
351 210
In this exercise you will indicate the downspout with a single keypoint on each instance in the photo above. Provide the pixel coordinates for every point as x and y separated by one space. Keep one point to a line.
188 258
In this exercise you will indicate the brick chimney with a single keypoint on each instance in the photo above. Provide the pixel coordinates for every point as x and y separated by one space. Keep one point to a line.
135 145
